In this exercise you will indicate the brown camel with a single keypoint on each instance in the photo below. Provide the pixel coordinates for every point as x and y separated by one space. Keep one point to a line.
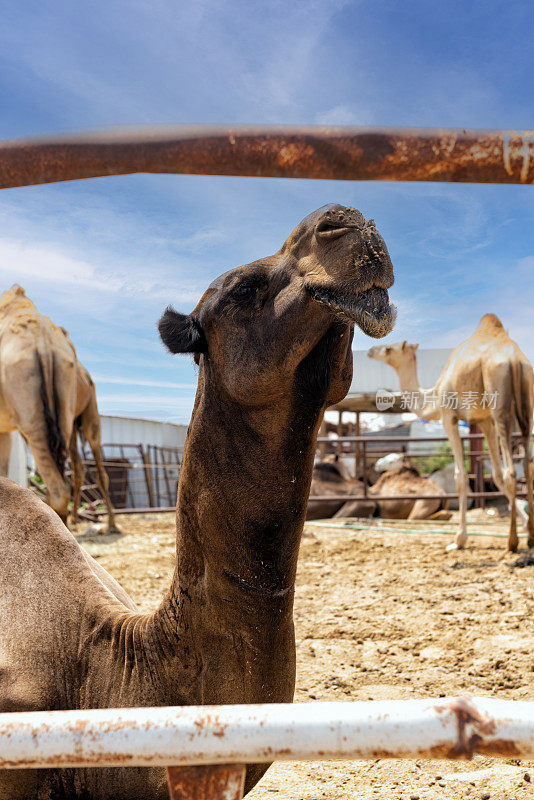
272 341
407 480
330 477
44 391
487 381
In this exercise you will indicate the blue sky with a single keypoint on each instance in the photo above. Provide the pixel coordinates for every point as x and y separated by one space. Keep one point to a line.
104 257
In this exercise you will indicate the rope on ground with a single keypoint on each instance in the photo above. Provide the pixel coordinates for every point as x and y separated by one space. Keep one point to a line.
324 523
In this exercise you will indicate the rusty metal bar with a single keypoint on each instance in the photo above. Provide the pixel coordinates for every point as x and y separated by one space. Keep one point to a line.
147 510
407 438
334 153
222 782
453 728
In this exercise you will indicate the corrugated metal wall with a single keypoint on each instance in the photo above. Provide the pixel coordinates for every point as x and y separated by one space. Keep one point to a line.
371 375
17 462
123 430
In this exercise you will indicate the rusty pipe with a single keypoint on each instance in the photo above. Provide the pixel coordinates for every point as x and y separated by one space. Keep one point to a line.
454 728
337 153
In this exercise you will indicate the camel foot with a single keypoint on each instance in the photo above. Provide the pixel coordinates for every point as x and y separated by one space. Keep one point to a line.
530 542
453 546
113 530
512 546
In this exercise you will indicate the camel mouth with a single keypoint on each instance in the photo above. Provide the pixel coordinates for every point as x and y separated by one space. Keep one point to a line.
370 310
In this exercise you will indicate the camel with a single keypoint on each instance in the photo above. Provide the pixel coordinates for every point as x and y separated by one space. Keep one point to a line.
407 480
487 381
87 425
272 341
46 394
330 477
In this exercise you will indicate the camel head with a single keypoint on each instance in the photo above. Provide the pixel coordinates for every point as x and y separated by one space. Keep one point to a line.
395 355
288 319
14 297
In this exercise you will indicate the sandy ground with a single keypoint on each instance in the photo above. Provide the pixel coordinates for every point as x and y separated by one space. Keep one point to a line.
383 614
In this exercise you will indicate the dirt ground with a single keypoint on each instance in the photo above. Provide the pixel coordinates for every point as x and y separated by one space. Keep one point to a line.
381 613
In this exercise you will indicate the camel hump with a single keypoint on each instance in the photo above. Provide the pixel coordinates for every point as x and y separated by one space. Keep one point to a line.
18 504
490 321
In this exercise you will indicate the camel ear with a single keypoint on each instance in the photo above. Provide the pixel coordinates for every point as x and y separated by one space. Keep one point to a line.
415 346
181 333
404 344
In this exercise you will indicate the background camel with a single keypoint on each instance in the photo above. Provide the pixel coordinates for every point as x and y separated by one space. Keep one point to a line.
489 382
87 425
331 477
407 480
273 344
44 390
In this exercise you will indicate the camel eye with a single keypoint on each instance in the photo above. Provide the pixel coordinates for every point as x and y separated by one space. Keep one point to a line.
248 289
245 291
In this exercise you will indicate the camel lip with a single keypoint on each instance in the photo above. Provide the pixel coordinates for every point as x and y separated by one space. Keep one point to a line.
370 309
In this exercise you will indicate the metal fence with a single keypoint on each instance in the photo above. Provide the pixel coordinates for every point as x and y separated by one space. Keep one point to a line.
145 478
366 450
141 478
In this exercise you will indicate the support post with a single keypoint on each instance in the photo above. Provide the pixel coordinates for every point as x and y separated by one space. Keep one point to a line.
357 451
145 457
339 431
219 782
322 445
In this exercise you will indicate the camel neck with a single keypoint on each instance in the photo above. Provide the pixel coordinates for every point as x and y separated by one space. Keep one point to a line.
409 383
242 501
408 378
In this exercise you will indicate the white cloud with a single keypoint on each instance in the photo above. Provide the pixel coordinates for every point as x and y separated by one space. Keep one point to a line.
47 263
344 115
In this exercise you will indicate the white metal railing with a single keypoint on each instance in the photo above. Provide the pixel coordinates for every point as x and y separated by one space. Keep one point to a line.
206 735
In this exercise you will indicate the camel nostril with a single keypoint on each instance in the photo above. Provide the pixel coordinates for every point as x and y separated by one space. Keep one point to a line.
329 229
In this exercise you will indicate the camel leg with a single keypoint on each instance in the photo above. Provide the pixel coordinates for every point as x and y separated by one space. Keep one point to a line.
57 491
78 473
489 430
91 431
424 509
5 453
504 430
505 483
529 477
460 476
